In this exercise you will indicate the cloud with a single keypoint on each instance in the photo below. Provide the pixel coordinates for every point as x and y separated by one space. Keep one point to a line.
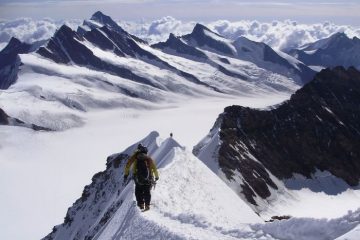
278 34
281 34
29 30
158 30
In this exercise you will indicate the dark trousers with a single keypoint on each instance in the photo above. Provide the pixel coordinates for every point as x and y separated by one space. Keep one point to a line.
142 194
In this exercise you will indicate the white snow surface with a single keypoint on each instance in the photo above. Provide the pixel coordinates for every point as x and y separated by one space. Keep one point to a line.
322 196
351 235
37 163
186 204
51 168
189 202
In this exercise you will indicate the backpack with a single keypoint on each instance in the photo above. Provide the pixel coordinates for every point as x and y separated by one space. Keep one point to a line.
143 175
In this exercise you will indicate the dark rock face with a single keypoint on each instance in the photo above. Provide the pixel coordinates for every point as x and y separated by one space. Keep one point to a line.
124 45
318 128
10 62
66 47
3 118
7 120
176 44
111 24
337 50
98 203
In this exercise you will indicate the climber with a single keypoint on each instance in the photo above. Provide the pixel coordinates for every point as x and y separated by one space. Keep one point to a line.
144 170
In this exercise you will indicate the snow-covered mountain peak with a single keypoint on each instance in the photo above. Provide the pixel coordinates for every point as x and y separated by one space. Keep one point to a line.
13 43
14 47
200 29
102 18
203 37
105 20
65 32
336 50
245 46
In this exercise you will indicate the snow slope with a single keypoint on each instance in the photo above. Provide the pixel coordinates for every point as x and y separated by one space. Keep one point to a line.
189 202
186 202
62 163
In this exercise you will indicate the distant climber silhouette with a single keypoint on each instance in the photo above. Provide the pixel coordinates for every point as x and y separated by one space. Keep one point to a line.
144 170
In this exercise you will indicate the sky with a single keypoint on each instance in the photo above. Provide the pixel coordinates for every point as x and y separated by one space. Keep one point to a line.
336 11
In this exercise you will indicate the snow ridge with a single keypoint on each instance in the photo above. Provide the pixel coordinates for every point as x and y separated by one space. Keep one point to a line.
189 202
186 201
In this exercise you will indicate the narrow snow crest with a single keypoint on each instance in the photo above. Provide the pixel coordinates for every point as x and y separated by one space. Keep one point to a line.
189 200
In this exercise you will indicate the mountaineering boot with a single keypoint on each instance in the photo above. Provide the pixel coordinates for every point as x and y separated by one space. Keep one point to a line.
141 206
147 207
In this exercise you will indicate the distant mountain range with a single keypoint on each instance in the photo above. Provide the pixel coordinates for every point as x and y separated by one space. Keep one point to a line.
103 66
337 50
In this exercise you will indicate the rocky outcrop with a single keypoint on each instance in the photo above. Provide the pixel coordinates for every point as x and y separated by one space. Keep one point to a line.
66 47
10 61
3 118
7 120
317 129
177 45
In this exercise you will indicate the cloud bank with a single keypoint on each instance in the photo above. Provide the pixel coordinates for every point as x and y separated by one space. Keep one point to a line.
278 34
29 30
281 34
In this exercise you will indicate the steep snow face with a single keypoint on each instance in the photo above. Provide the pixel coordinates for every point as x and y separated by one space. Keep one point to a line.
189 201
10 62
336 50
294 152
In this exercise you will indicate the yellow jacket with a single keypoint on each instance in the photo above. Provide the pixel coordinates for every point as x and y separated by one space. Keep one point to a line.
150 163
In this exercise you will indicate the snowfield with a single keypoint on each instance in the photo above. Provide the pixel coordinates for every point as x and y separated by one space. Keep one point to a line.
51 169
